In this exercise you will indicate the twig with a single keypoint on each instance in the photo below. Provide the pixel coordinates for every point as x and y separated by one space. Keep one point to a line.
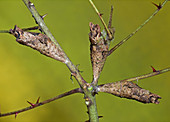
148 75
110 18
99 47
127 89
24 29
78 90
31 28
102 20
4 31
90 99
140 27
45 29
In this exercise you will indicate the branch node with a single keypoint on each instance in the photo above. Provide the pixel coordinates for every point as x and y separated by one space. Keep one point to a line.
30 4
33 105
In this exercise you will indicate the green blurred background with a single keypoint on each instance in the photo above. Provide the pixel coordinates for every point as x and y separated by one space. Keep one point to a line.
25 74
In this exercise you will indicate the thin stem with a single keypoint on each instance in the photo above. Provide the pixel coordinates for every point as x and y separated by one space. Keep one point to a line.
93 115
24 29
78 90
31 28
127 89
110 18
4 31
140 27
148 75
90 101
102 20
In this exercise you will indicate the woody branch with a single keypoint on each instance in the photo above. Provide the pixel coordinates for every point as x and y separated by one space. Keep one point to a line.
98 58
45 29
112 88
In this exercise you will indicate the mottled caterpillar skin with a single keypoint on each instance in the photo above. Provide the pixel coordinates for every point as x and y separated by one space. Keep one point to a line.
98 50
39 42
130 90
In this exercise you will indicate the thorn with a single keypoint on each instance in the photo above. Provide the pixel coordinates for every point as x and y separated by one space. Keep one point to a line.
110 19
43 16
154 70
38 100
100 116
78 69
16 115
100 14
72 74
31 104
158 6
71 78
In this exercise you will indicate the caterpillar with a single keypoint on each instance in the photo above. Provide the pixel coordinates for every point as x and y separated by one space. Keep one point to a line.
39 42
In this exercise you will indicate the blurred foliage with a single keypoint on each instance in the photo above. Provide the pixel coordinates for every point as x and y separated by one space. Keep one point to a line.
26 75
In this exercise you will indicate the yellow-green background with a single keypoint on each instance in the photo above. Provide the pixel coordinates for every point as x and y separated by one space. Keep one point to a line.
25 74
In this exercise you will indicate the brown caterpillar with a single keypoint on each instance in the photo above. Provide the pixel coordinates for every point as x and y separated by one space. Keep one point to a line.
129 90
39 42
98 50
